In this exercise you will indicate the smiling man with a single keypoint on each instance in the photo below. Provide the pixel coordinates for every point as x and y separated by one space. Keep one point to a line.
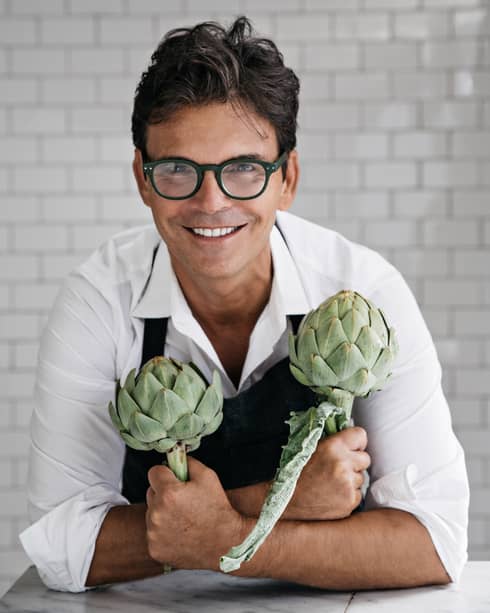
219 279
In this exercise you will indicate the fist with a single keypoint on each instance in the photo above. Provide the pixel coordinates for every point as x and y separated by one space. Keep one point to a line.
189 525
329 486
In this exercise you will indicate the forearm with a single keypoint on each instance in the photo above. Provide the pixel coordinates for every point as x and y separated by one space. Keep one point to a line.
248 500
383 548
121 552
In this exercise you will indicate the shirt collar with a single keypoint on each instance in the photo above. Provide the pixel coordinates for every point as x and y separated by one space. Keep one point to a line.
163 297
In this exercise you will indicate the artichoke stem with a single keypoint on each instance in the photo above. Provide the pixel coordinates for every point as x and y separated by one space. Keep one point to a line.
340 398
177 461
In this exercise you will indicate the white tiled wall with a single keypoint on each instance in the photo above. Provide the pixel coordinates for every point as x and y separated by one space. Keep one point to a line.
395 145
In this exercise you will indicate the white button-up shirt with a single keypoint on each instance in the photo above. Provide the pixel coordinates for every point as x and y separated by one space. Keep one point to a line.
94 336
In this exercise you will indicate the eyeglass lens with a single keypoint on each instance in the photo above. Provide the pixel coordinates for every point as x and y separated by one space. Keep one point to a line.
241 179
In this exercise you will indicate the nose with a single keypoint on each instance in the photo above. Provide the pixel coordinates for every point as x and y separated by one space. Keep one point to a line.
210 198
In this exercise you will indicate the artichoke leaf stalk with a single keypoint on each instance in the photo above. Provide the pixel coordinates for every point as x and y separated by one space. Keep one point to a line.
344 348
168 407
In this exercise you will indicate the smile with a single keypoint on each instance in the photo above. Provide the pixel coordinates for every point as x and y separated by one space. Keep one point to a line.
215 232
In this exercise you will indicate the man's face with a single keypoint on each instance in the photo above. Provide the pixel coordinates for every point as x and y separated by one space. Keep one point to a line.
212 134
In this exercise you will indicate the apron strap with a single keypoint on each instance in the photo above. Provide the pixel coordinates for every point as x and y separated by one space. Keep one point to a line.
154 338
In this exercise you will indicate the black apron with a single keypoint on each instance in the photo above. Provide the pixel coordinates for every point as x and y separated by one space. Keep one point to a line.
247 446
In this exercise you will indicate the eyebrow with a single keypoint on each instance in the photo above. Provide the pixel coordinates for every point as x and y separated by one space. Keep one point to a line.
241 156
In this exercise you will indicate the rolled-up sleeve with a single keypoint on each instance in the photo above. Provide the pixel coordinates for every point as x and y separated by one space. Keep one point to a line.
417 463
76 455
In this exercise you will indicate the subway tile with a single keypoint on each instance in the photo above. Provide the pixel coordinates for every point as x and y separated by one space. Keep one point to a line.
336 57
390 233
450 114
68 31
368 86
19 90
294 27
422 144
69 208
68 90
18 31
422 204
41 238
390 174
421 26
38 61
389 115
362 26
390 56
125 30
449 174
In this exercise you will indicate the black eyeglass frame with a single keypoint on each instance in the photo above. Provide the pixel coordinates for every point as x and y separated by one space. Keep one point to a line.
269 167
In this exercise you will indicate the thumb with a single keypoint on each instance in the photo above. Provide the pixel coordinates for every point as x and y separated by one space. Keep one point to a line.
160 474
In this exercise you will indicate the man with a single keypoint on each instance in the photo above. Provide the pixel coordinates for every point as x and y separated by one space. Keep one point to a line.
219 280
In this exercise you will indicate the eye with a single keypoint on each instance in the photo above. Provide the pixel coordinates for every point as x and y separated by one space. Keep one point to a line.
180 168
241 167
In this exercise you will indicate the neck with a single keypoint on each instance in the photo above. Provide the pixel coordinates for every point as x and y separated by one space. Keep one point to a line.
218 303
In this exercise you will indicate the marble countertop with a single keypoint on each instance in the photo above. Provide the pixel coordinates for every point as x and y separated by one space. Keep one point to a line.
209 592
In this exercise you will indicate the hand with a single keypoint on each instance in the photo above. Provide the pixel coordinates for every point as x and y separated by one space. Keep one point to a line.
329 485
189 524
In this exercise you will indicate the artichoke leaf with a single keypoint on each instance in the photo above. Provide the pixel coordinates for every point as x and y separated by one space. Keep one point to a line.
213 425
217 386
115 417
321 373
330 335
369 345
172 409
196 376
185 388
307 347
383 364
345 299
329 308
146 429
164 445
292 349
130 382
147 387
379 325
126 407
193 443
304 442
345 361
352 324
210 404
166 372
360 382
134 443
299 375
188 426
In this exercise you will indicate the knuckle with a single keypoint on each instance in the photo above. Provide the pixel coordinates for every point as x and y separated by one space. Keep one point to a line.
361 436
366 459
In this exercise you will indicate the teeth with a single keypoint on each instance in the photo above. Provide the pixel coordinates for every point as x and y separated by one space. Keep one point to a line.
214 231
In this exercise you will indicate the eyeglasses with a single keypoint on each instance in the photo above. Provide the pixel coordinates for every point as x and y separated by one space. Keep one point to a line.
239 178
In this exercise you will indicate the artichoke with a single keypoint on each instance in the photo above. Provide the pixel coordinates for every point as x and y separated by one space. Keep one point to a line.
169 407
344 348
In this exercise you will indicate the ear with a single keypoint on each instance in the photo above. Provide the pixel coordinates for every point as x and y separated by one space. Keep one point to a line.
290 182
142 181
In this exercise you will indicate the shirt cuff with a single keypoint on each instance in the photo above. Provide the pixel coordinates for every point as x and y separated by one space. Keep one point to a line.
443 513
62 542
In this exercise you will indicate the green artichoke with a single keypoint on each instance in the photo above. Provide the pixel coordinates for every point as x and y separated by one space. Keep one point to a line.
168 407
344 348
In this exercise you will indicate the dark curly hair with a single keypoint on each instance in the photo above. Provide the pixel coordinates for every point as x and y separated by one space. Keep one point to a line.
207 63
